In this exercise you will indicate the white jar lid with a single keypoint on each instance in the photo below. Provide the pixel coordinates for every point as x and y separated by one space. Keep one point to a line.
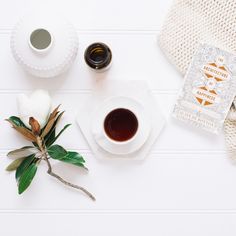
44 44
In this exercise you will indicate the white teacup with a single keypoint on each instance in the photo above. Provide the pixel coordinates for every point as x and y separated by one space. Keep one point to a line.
135 141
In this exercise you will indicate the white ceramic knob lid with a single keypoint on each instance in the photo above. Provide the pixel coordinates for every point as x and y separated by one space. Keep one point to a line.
44 44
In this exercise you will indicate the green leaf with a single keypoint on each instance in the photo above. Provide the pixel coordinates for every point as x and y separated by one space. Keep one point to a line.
17 121
53 139
22 152
27 177
74 158
57 152
15 164
48 139
24 165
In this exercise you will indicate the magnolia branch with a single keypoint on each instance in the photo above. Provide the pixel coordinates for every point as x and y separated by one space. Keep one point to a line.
50 171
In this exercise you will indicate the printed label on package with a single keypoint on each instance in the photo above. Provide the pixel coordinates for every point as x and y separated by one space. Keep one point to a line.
209 89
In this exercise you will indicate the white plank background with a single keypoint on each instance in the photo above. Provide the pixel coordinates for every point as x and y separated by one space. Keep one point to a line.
186 186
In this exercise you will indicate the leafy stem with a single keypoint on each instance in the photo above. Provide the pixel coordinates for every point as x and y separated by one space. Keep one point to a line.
50 171
43 148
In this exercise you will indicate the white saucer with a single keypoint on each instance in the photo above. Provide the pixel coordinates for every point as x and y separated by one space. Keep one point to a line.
97 126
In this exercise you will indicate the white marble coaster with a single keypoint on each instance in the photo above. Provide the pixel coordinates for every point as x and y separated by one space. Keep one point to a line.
136 91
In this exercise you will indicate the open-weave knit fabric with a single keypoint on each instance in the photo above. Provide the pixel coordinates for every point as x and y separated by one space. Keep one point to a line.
230 132
191 22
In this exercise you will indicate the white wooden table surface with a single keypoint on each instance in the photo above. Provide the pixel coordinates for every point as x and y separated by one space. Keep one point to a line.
186 186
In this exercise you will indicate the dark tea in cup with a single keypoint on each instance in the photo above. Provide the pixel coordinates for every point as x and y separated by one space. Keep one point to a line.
121 125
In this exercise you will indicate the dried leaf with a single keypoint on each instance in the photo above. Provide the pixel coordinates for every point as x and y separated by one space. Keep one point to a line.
51 124
54 113
15 164
35 126
12 123
22 129
59 117
52 118
48 127
26 133
16 121
22 152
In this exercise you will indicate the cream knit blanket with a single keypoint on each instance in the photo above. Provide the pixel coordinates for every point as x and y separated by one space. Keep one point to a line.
190 22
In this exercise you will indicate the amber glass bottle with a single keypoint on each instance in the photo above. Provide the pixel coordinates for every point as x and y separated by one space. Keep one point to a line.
98 56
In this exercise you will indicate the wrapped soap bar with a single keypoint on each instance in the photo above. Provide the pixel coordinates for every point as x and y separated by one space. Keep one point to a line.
209 89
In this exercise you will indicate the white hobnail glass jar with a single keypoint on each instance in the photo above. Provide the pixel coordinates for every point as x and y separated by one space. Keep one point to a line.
44 44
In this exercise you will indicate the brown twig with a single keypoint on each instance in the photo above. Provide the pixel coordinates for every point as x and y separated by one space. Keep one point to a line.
50 171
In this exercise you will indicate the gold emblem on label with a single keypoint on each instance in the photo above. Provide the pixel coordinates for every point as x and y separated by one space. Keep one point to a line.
214 73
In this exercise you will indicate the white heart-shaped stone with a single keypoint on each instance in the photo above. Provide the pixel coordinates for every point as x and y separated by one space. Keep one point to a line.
37 105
